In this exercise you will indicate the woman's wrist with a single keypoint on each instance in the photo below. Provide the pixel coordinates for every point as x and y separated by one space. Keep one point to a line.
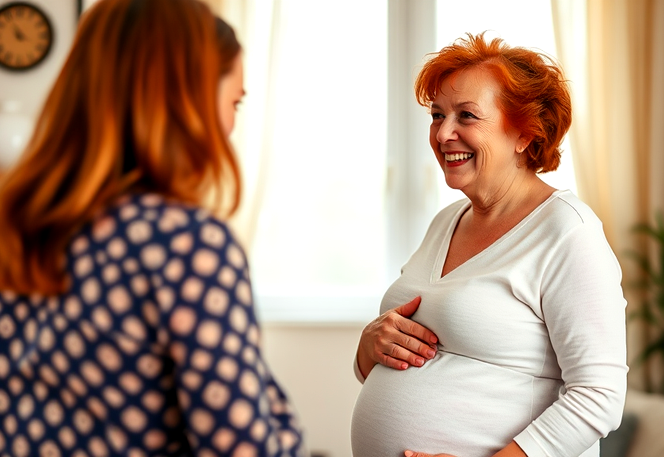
511 450
364 362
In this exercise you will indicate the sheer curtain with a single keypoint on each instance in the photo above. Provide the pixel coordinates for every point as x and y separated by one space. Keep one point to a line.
613 54
256 23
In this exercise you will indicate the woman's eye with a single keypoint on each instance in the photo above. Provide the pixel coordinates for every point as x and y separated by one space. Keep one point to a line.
437 116
467 115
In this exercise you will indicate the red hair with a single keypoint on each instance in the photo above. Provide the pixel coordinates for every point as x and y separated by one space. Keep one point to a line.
534 95
133 109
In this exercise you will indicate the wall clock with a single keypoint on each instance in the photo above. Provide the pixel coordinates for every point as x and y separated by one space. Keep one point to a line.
26 35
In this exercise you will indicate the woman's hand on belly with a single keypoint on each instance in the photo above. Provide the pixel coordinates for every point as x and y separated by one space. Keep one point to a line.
396 341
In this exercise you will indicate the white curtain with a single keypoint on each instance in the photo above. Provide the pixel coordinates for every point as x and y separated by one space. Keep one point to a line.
256 23
613 55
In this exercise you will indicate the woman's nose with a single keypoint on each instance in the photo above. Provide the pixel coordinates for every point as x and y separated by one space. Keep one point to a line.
446 131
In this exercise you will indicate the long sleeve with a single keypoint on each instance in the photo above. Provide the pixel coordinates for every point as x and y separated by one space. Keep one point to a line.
584 312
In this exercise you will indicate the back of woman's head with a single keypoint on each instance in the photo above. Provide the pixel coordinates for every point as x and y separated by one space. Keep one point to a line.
133 109
534 94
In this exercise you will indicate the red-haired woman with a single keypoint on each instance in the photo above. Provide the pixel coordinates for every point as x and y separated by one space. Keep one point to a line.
512 341
126 319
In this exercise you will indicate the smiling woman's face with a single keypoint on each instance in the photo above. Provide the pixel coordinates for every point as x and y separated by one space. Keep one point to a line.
476 148
231 91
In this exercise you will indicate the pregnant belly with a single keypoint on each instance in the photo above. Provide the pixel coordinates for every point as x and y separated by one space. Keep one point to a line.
453 404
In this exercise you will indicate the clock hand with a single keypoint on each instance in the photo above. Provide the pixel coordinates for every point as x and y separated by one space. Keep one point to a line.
18 34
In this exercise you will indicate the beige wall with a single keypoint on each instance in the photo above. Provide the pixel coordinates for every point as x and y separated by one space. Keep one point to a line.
313 364
23 93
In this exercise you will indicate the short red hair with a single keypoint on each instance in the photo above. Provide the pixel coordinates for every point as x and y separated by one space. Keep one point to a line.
534 95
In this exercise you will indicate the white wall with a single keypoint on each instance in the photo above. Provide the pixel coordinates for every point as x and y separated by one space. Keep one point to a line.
23 93
314 365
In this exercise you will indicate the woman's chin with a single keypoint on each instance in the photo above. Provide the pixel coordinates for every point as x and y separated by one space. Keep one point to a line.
454 182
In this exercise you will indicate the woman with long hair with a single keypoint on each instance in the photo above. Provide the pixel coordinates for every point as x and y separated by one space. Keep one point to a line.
126 318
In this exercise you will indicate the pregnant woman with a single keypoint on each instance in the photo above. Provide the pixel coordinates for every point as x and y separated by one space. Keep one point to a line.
511 341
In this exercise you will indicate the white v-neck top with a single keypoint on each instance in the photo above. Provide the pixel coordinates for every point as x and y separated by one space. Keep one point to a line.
532 343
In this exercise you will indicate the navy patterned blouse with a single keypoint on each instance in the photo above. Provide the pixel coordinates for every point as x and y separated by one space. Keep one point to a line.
154 350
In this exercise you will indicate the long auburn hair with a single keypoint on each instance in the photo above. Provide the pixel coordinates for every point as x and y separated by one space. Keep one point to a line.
534 98
134 109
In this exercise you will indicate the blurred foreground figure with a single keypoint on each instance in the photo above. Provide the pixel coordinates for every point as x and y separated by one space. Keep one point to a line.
126 317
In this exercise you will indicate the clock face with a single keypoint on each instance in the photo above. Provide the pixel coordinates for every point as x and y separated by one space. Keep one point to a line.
25 36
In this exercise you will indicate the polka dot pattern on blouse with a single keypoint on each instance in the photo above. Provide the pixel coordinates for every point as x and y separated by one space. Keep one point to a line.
154 350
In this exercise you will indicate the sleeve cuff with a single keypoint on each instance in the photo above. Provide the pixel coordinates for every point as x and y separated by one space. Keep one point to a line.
529 445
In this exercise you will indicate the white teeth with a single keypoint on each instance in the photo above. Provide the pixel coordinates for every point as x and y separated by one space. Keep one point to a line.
458 156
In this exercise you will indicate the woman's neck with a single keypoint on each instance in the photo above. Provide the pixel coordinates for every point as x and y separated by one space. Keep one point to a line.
520 195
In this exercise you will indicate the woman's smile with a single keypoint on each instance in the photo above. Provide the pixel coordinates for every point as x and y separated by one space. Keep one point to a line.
455 159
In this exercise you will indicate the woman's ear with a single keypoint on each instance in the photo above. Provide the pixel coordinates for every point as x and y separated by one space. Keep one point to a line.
522 143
